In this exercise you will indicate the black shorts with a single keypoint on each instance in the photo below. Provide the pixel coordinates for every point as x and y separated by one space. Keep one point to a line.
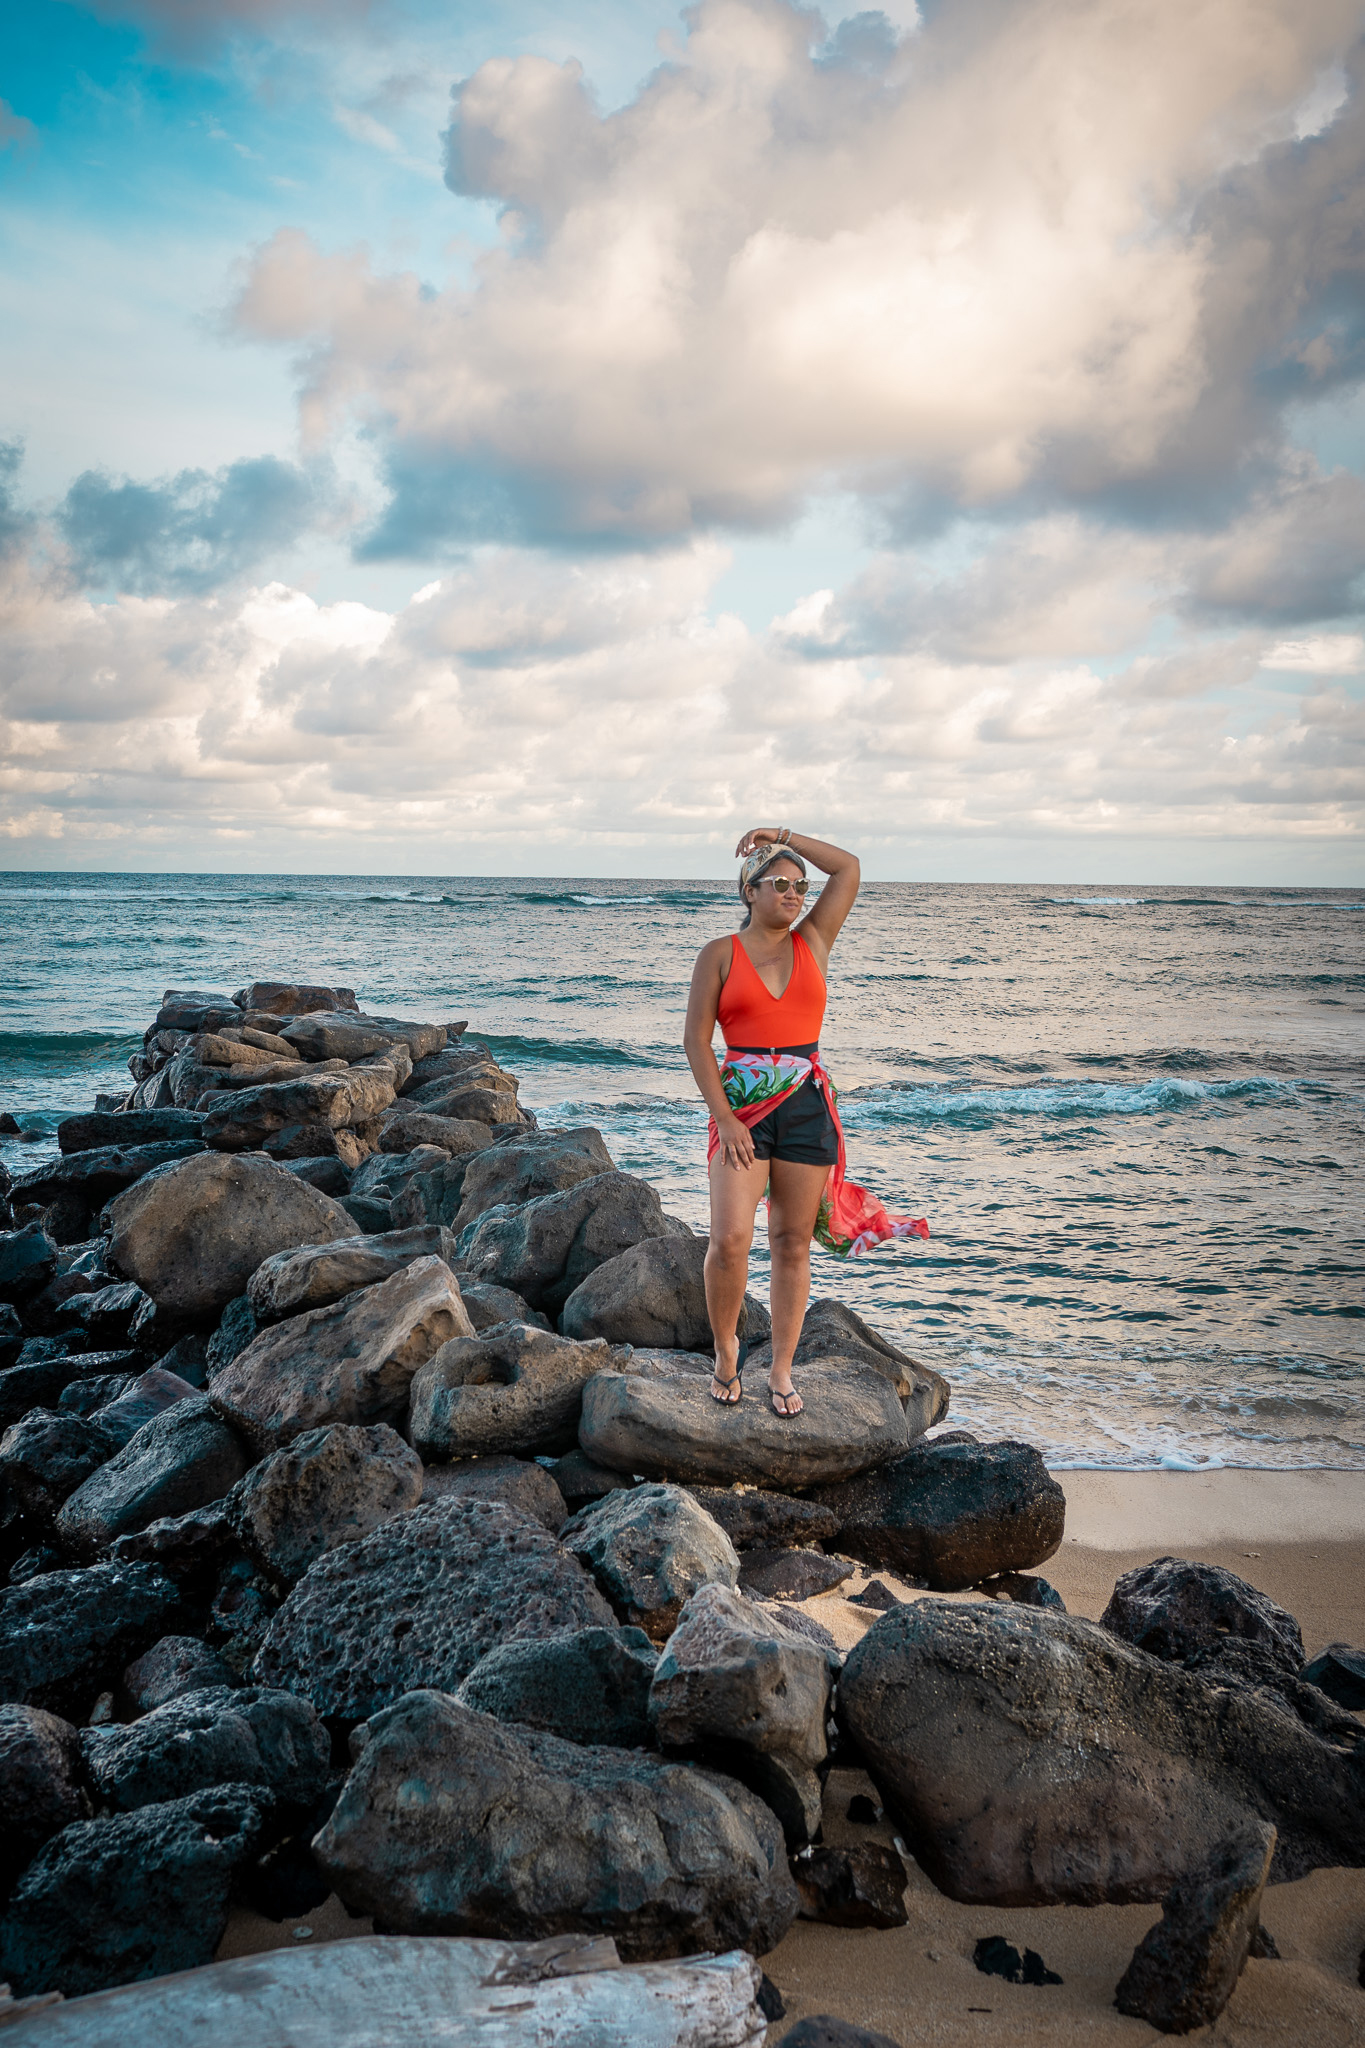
800 1129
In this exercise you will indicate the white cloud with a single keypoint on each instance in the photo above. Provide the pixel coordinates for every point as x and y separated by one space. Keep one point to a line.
1324 654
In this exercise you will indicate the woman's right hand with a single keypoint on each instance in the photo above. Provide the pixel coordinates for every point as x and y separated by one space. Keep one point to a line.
736 1141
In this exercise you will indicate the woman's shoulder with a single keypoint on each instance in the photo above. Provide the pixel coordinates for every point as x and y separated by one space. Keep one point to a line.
717 952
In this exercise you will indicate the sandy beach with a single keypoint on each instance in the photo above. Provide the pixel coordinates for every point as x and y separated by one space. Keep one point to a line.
1300 1538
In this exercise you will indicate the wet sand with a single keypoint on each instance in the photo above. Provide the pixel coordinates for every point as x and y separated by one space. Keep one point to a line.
1300 1538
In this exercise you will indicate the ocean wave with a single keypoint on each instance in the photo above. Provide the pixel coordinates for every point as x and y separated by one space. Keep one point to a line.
62 1048
900 1101
1126 900
570 1052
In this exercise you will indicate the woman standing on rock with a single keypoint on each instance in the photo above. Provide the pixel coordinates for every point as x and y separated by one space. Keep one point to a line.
774 1117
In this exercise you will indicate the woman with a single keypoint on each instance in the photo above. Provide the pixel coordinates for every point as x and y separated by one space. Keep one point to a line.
774 1121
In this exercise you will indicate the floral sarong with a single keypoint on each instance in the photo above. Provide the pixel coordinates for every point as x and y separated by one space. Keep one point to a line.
850 1221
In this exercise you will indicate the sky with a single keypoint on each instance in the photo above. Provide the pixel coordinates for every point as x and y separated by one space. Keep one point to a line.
553 437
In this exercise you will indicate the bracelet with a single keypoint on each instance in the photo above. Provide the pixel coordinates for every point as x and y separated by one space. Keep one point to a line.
784 834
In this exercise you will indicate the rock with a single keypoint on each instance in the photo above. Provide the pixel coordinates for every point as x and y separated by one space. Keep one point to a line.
105 1317
755 1520
1339 1672
244 1118
797 1622
874 1595
525 1168
187 1359
145 1397
791 1574
430 1195
236 1327
46 1455
731 1673
862 1887
661 1421
650 1549
1173 1608
996 1957
544 1248
41 1790
83 1397
488 1305
515 1388
382 1989
192 1234
171 1668
303 1144
385 1174
65 1636
1033 1759
94 1176
41 1381
1185 1970
952 1514
653 1295
518 1482
489 1105
28 1260
293 998
822 2030
1023 1587
185 1009
832 1333
181 1460
245 1603
352 1035
419 1602
592 1687
453 1823
91 1132
326 1173
352 1362
405 1129
109 1901
11 1335
327 1487
218 1736
580 1481
315 1275
185 1546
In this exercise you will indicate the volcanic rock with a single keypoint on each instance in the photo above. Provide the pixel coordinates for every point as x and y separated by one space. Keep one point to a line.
95 1129
218 1736
513 1388
419 1602
453 1823
861 1887
952 1514
652 1295
316 1275
40 1381
66 1636
650 1550
517 1482
11 1335
145 1397
105 1317
28 1260
822 2030
755 1520
832 1334
293 998
1174 1608
352 1362
545 1248
182 1459
45 1456
353 1035
171 1668
95 1176
592 1687
41 1790
730 1672
241 1120
1185 1970
109 1901
581 1482
327 1487
1339 1672
791 1574
405 1129
488 1305
184 1546
192 1234
325 1172
1032 1759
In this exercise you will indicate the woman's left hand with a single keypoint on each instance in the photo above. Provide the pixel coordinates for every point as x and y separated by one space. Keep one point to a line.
758 835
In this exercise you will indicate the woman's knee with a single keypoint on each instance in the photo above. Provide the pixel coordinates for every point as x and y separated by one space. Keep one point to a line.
728 1244
788 1243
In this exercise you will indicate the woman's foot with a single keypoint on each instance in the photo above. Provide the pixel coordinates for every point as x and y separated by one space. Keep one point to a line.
786 1401
727 1387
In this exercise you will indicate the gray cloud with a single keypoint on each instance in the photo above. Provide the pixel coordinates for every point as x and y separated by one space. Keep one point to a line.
187 533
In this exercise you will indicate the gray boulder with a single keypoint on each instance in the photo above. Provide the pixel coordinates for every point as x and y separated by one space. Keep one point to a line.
592 1687
832 1334
731 1673
41 1789
650 1549
282 999
184 1546
659 1419
383 1176
858 1887
94 1176
182 1459
28 1260
325 1172
316 1275
488 1305
522 1169
108 1317
352 1362
192 1234
405 1129
756 1520
952 1513
581 1482
1175 1609
1032 1759
522 1835
47 1454
544 1248
66 1636
791 1574
354 1035
111 1901
1339 1671
419 1602
242 1119
140 1401
518 1483
427 1188
94 1129
174 1666
1185 1969
11 1329
513 1388
40 1380
219 1736
327 1487
652 1295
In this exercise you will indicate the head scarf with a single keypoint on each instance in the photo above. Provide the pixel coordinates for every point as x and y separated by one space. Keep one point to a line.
761 859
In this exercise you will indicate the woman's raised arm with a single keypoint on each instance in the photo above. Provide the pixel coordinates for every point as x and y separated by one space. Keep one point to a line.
824 921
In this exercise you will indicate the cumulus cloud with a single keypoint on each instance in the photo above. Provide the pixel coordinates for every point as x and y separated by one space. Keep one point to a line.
189 532
1078 250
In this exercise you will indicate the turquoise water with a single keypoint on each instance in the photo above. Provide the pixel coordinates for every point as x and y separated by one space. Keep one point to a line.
1135 1118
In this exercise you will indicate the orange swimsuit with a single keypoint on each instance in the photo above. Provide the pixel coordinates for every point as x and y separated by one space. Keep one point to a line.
753 1019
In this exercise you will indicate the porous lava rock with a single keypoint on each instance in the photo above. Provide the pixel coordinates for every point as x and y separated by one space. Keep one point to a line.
951 1514
1175 1608
488 1305
28 1260
93 1177
111 1901
519 1483
192 1234
453 1823
220 1735
46 1455
65 1636
832 1334
1033 1759
41 1785
326 1487
652 1295
293 998
1185 1969
419 1602
316 1275
543 1249
524 1168
858 1887
352 1362
589 1687
512 1388
182 1459
823 2030
1339 1671
730 1672
755 1519
172 1667
791 1574
650 1549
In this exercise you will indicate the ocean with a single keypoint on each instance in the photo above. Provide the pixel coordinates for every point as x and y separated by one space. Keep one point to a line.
1134 1117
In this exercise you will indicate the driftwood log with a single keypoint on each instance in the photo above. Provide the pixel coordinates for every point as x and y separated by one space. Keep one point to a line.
437 1991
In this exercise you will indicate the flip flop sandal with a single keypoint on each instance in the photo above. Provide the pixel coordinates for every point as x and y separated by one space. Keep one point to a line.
736 1379
785 1414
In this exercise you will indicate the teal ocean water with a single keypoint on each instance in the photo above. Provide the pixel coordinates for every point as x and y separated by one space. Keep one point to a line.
1135 1117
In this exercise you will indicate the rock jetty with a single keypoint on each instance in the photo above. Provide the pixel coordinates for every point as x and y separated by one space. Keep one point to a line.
366 1528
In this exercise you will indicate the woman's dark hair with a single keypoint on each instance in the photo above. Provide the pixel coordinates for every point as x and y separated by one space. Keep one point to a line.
785 853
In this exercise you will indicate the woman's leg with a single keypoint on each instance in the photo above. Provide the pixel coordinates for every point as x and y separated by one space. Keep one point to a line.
735 1195
794 1205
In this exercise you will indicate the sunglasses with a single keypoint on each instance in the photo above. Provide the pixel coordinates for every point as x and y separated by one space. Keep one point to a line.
784 882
